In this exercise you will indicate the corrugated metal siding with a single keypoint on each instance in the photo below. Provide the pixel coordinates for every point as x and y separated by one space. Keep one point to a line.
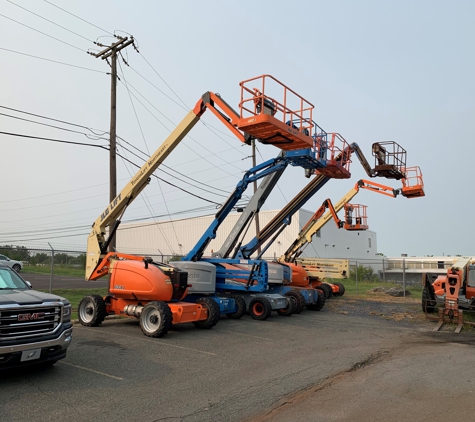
180 236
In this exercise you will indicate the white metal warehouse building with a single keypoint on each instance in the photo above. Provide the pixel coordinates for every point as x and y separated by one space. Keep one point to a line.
178 237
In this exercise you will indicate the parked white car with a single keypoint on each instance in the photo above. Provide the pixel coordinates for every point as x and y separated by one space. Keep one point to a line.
16 265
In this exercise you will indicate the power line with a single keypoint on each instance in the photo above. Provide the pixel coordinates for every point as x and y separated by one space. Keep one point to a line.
171 184
163 80
56 120
43 33
69 13
54 23
53 61
95 138
53 140
207 125
155 117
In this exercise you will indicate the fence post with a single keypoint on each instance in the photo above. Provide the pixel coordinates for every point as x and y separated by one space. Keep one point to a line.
52 265
384 272
356 277
404 276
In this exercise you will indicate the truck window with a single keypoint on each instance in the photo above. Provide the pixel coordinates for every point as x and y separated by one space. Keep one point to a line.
9 280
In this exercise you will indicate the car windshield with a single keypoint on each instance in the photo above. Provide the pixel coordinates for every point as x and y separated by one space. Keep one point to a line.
10 280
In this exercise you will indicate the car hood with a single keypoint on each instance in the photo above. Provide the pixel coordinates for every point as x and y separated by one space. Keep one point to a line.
27 297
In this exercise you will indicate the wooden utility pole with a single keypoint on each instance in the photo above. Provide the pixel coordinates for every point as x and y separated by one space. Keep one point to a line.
256 218
111 52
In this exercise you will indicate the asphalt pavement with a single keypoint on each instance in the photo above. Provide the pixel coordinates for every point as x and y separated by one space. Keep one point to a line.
316 366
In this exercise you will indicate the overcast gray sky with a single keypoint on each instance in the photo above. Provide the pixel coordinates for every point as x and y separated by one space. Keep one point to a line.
375 71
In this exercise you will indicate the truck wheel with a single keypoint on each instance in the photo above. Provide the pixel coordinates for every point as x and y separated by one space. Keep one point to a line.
341 289
156 319
320 302
260 308
298 299
92 311
326 289
17 268
213 313
288 310
240 305
428 304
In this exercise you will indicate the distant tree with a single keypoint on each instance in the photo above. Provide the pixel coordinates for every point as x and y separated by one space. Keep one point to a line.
81 260
175 258
364 273
62 258
18 253
40 258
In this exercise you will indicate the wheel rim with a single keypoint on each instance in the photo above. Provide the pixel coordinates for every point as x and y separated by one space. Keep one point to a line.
86 312
151 320
294 301
258 309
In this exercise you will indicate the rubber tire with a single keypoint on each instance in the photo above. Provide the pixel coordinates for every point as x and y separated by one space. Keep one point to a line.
428 304
320 302
288 310
162 326
17 268
213 313
298 298
260 308
95 306
326 289
341 288
241 307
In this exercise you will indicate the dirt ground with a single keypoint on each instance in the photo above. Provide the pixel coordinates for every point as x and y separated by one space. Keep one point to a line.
399 309
421 377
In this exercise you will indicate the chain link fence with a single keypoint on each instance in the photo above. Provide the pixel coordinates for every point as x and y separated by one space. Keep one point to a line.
51 269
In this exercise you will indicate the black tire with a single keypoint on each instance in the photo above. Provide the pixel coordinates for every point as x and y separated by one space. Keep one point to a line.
428 304
320 302
288 310
241 307
213 313
156 319
17 268
326 289
260 308
298 299
341 289
92 311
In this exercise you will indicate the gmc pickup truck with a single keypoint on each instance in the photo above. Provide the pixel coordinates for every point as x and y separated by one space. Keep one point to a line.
35 327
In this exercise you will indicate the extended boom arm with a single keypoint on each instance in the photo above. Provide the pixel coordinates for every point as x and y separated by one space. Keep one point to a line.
319 219
97 242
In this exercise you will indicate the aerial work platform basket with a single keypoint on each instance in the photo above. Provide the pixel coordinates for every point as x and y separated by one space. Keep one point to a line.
275 114
355 217
412 183
337 155
390 160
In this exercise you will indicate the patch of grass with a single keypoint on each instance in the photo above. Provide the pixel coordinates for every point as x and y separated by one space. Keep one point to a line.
57 270
362 289
75 296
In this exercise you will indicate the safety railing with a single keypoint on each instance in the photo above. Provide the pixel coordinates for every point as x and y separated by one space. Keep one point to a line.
412 183
356 217
336 152
389 159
